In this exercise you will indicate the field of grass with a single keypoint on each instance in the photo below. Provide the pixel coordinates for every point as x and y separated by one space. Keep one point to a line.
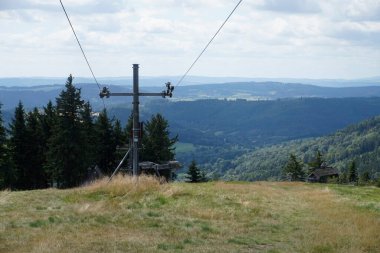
146 216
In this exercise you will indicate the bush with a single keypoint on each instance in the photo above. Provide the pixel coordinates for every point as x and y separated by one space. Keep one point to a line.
378 182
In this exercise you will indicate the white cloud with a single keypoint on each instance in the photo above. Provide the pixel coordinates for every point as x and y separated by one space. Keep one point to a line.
166 36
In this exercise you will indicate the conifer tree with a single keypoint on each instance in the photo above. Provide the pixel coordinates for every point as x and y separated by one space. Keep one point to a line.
120 138
365 177
18 140
352 172
194 174
293 169
157 144
48 121
6 172
34 152
65 155
317 162
89 141
128 129
106 145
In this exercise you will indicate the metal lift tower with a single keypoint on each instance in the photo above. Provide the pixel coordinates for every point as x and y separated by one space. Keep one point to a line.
136 116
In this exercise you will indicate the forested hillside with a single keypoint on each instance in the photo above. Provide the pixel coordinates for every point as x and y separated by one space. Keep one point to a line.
359 142
63 145
256 123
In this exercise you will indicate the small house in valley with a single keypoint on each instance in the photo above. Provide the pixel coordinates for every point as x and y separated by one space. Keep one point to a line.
323 174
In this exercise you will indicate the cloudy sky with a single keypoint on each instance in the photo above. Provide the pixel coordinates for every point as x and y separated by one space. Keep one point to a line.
264 38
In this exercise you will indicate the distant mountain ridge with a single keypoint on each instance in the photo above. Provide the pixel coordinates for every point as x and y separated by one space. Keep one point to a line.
157 81
38 96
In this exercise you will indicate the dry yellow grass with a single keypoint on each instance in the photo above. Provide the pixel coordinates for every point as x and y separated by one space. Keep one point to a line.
122 185
150 216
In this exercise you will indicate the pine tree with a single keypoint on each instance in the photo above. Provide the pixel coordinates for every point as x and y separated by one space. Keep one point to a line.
18 140
105 142
293 169
48 120
120 141
365 177
128 129
157 145
65 154
89 141
352 172
34 152
194 174
317 162
119 135
6 172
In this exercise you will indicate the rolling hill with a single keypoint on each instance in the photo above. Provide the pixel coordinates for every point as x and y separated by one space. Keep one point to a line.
359 142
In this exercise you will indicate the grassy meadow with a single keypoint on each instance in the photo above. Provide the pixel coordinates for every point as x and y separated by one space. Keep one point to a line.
147 216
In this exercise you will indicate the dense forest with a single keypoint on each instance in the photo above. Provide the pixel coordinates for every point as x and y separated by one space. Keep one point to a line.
58 146
359 142
256 123
232 140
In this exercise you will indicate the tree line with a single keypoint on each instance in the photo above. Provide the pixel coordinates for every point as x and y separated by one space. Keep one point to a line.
55 146
296 170
359 142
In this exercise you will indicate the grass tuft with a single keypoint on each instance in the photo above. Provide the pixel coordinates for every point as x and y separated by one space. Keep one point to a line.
123 185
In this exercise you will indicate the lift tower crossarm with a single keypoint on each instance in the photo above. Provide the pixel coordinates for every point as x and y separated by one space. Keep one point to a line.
126 94
106 93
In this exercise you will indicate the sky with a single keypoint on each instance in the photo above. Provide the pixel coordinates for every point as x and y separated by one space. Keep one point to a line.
264 38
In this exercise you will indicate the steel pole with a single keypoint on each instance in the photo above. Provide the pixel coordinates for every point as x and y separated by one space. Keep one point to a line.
136 121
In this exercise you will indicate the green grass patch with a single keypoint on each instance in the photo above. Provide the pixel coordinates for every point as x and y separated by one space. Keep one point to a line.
323 249
169 246
363 197
158 202
153 214
38 223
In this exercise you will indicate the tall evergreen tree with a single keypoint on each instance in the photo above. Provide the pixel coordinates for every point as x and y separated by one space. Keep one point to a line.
352 172
6 172
89 141
317 162
128 129
293 169
18 140
157 144
48 121
106 145
365 177
120 141
65 155
34 151
119 135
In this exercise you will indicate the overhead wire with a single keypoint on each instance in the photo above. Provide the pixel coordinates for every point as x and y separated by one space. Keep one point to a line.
84 54
208 44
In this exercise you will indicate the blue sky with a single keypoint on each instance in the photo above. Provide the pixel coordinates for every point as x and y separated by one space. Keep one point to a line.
264 38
